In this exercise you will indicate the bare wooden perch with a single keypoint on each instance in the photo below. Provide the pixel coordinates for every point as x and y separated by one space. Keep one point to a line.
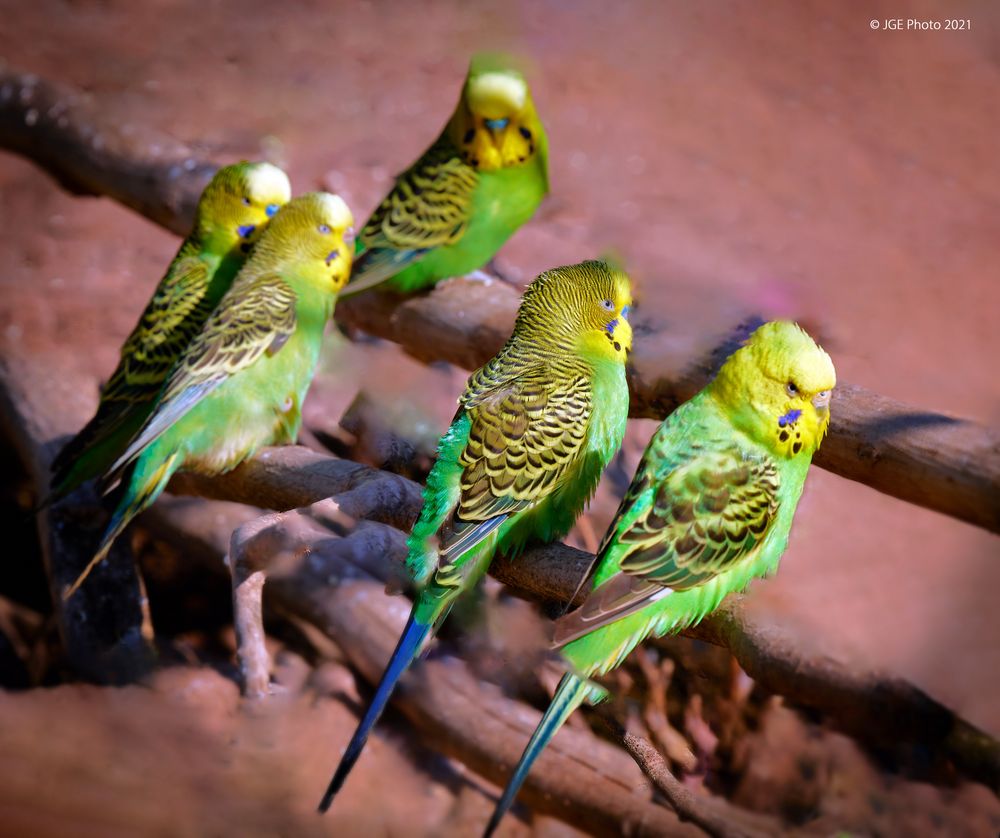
942 463
102 629
59 128
337 583
876 706
99 633
334 580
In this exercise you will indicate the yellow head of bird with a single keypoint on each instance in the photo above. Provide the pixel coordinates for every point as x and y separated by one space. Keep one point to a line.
582 309
313 231
777 387
495 125
238 202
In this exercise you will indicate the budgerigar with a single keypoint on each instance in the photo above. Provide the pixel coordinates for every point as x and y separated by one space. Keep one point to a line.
710 508
241 381
534 430
232 212
453 209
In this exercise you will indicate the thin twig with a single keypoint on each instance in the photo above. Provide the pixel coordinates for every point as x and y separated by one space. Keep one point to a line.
687 805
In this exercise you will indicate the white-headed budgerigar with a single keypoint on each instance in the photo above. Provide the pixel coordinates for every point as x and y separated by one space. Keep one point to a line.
231 214
453 209
709 509
535 428
240 383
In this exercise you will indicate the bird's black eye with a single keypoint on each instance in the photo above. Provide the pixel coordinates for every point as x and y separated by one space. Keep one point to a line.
608 305
792 389
246 202
323 228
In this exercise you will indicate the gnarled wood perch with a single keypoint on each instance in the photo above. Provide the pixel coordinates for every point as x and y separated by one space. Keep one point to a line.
334 580
876 706
942 463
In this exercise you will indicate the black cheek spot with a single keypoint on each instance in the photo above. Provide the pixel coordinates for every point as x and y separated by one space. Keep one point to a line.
521 159
245 247
473 161
531 148
796 447
525 133
783 436
618 347
469 136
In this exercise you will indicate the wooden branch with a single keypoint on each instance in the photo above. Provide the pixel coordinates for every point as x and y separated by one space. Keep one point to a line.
338 585
875 706
101 627
942 463
293 476
103 635
688 805
59 128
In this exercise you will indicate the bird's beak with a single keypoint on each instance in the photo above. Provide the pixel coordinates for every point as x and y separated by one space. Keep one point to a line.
821 401
623 334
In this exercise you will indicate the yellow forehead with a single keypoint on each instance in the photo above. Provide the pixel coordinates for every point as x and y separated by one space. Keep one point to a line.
582 284
496 95
623 288
316 208
267 182
785 352
334 210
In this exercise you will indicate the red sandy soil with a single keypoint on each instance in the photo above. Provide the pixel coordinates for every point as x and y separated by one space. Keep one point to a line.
782 158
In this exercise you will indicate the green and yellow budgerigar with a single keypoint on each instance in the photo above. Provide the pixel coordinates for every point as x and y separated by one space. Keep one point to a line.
535 428
709 509
453 209
240 383
231 214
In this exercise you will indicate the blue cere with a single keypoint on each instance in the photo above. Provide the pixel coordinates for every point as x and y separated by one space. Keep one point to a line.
271 209
246 230
789 418
496 124
625 311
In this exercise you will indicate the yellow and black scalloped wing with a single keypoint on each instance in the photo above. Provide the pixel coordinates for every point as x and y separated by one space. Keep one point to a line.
707 513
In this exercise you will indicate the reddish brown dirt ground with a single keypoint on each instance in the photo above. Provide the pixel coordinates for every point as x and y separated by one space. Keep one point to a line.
784 158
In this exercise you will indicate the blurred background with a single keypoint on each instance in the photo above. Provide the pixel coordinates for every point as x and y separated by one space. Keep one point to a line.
782 158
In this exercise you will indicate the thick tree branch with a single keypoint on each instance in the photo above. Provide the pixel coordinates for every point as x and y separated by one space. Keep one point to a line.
942 463
338 584
59 128
877 707
101 627
290 477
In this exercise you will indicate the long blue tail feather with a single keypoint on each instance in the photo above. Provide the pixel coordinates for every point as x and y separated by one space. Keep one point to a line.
406 650
570 695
